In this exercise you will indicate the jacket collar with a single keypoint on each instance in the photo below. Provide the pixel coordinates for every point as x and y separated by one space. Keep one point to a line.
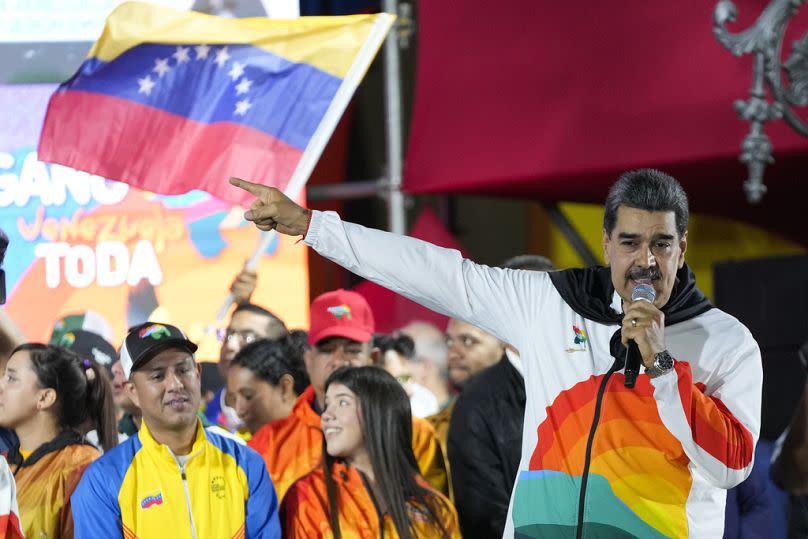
150 444
590 293
304 408
62 440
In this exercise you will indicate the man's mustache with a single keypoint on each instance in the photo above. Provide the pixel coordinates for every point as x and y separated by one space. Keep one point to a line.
636 274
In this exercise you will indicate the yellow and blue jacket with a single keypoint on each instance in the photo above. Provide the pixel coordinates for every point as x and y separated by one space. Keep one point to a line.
139 490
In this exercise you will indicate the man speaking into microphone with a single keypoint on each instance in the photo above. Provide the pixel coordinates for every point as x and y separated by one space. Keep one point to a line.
599 459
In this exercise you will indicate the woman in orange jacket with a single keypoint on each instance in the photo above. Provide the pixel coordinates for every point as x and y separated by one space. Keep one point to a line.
50 396
369 484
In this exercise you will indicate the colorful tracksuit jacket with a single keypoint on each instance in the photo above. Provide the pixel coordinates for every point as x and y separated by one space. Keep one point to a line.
139 490
10 525
598 459
293 446
307 510
45 482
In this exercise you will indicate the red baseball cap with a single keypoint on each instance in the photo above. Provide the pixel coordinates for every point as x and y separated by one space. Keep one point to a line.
341 313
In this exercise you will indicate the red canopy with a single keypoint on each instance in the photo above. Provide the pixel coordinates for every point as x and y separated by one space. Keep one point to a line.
554 99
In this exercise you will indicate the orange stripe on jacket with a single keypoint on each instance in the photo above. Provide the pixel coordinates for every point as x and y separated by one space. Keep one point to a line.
714 427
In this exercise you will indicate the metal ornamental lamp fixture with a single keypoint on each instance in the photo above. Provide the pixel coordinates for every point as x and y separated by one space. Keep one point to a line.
765 40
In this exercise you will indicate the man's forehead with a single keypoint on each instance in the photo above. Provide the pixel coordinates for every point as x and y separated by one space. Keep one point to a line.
249 320
458 327
635 220
167 358
336 341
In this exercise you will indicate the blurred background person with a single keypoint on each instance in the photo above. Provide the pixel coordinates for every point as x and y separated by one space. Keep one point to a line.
429 366
127 412
88 320
247 324
470 351
265 379
485 435
46 395
341 332
396 356
369 483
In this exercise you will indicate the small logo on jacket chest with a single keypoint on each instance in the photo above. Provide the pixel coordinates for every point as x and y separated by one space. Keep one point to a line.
152 499
579 340
218 487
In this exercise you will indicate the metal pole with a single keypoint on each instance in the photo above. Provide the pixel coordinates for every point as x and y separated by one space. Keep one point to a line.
392 99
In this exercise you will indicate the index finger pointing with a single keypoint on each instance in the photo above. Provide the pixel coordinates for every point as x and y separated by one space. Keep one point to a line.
255 188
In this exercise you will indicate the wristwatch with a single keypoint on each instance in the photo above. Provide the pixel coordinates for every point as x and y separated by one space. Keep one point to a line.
663 362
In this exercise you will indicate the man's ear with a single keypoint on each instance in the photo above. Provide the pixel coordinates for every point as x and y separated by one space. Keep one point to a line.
606 243
131 392
682 249
287 386
308 359
376 357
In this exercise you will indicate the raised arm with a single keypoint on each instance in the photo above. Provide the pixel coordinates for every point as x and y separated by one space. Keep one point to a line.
497 300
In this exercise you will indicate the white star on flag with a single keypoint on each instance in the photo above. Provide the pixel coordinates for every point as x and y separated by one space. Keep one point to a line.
236 71
221 57
243 86
146 85
202 52
243 106
181 55
161 66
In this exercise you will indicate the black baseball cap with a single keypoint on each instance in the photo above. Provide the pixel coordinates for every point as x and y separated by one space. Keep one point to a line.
149 339
89 345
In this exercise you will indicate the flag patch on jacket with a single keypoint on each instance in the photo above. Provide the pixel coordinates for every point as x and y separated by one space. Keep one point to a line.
154 499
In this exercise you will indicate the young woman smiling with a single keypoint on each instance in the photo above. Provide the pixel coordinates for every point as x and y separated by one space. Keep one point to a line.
369 485
49 396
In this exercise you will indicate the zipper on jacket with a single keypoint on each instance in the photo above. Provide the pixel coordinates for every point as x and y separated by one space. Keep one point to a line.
188 502
375 505
588 458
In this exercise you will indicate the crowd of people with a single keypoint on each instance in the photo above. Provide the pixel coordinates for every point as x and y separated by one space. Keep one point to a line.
304 438
484 429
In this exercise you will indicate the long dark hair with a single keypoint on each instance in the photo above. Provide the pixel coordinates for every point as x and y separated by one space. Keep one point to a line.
270 359
387 433
78 398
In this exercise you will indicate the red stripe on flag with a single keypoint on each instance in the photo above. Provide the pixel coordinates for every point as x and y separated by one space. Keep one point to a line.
159 151
714 427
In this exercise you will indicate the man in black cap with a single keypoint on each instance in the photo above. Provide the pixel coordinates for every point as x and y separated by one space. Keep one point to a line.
174 477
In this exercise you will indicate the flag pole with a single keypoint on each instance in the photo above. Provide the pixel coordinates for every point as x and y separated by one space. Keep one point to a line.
381 26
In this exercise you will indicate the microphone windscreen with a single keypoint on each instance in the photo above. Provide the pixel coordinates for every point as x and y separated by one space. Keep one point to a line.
643 292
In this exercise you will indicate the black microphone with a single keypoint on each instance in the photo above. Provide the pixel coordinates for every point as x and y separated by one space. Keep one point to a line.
643 292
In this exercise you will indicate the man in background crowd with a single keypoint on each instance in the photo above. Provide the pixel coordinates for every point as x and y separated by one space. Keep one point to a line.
340 335
485 435
173 478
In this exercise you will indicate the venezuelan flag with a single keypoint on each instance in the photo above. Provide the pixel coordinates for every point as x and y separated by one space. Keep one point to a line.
170 101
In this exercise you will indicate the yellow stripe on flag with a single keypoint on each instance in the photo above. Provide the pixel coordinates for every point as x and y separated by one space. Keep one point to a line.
297 40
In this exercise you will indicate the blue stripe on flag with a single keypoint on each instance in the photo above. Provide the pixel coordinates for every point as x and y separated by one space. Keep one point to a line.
233 83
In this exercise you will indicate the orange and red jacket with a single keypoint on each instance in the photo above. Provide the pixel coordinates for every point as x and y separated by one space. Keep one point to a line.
45 482
307 509
292 447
